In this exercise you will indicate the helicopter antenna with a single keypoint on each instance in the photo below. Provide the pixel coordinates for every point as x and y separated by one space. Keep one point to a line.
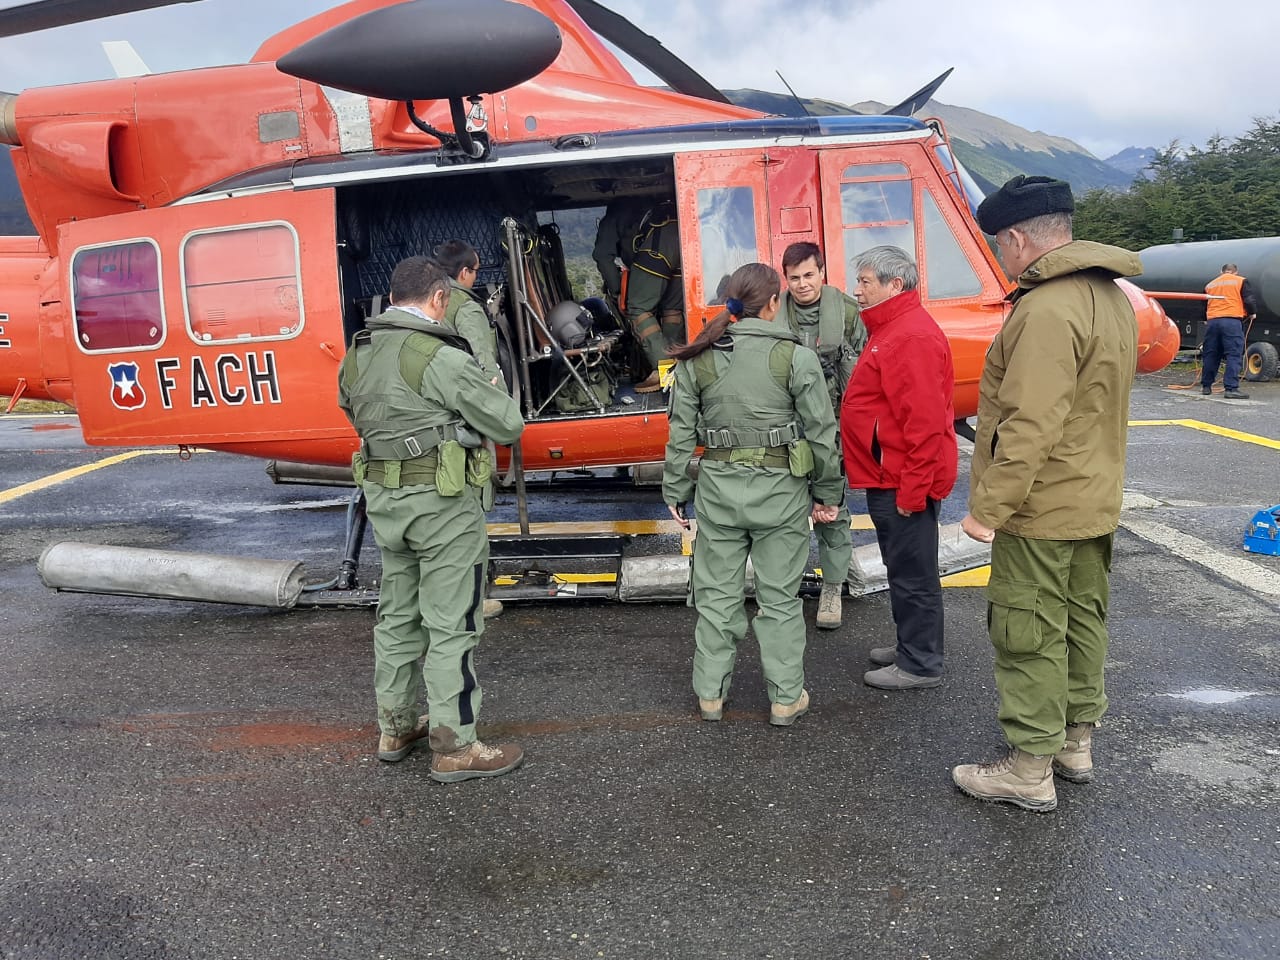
793 93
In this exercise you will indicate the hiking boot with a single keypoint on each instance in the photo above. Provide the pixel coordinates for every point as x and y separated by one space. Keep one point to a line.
394 749
894 677
829 606
711 709
1236 395
492 608
475 760
650 383
1207 391
785 714
883 656
1074 761
1020 778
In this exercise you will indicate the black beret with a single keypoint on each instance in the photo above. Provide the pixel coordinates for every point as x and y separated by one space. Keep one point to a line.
1023 198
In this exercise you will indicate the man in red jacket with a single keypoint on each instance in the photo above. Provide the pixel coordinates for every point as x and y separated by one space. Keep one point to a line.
898 433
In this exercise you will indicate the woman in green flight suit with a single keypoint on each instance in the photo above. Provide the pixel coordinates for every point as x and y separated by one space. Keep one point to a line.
757 402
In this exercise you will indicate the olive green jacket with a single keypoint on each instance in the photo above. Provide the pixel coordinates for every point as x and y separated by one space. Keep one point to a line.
466 315
1053 402
809 406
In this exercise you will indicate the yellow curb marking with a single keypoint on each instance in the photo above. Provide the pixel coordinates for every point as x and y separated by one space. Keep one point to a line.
13 493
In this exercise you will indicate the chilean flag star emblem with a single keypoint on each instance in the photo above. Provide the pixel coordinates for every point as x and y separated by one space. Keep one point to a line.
126 392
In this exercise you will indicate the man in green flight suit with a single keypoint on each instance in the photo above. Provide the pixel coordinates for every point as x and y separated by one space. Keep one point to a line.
827 321
655 290
465 312
422 407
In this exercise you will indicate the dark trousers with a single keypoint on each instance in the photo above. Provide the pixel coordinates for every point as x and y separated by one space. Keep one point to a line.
909 546
1223 337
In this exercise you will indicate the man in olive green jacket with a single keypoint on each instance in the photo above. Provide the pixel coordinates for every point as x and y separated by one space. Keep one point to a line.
465 312
1046 486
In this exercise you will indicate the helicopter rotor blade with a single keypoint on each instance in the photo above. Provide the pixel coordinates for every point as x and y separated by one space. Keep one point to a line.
647 50
918 99
47 14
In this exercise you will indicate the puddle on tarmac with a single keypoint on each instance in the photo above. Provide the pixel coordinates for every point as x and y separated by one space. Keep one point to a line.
1213 696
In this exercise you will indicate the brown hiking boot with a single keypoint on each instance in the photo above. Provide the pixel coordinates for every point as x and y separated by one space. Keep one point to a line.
475 760
394 749
711 709
785 714
650 383
1074 761
1020 778
829 606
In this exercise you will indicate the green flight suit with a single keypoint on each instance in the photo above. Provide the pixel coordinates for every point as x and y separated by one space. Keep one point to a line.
831 327
467 315
655 291
747 414
434 547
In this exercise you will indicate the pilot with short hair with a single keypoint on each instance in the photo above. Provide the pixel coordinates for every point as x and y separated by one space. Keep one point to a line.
826 320
423 407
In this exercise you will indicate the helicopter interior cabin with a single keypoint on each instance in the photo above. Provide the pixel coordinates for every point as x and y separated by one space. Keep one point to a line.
528 226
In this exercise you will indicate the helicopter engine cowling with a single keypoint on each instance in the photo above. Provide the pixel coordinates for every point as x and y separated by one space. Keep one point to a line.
430 50
9 119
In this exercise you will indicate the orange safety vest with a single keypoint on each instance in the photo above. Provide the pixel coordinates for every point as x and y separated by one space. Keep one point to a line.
1231 303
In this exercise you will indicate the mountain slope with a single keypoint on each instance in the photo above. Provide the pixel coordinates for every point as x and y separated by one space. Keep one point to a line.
992 149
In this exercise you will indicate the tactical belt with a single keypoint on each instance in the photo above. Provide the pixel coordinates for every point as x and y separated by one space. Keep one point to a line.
419 470
413 447
751 456
733 439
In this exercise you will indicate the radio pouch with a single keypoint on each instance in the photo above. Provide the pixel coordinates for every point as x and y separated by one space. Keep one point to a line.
451 470
800 458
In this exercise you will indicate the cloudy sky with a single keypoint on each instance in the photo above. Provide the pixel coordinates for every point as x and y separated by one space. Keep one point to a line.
1104 73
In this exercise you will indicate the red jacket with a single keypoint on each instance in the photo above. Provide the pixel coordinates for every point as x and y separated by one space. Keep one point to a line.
897 422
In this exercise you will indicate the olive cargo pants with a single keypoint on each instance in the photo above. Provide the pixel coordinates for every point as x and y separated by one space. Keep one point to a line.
434 553
762 513
1047 615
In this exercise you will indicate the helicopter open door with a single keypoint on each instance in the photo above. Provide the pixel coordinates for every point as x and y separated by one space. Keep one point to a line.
218 323
723 208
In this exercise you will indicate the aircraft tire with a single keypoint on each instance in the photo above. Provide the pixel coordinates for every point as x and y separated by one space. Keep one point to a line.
1261 362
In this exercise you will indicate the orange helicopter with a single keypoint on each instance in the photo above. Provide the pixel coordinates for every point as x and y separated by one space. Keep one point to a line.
209 241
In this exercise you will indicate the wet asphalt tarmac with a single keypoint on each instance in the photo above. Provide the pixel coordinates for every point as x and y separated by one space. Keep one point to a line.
190 780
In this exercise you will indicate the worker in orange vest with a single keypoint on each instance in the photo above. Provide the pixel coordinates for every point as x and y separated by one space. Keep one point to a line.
1231 300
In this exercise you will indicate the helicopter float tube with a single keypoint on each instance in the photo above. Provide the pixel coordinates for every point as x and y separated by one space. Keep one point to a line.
1187 267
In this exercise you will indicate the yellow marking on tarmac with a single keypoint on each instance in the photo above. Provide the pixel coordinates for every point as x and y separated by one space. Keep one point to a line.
1211 428
13 493
976 577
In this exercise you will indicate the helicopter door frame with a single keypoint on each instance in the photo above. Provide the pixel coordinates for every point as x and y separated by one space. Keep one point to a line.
251 321
711 188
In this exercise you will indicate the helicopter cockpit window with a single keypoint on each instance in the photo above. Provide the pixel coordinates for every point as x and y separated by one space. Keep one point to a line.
949 272
115 296
727 230
242 283
876 212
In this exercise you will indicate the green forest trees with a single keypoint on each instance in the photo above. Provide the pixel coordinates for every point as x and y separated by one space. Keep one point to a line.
1226 191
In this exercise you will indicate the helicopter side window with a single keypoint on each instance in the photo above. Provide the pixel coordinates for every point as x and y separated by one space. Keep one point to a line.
876 212
727 229
242 283
949 272
115 296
